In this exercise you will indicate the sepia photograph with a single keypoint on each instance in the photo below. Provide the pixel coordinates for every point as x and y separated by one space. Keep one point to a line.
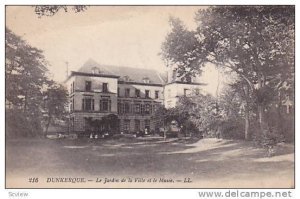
132 96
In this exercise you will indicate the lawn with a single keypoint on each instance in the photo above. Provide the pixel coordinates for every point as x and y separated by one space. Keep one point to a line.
207 163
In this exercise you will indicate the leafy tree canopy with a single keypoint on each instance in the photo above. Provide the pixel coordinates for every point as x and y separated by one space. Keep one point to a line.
51 10
255 42
28 89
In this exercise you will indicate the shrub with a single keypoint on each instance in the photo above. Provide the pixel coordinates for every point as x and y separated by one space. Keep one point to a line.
232 129
18 124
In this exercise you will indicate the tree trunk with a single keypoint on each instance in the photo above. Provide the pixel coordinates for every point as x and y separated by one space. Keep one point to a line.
47 126
247 124
280 119
260 114
260 107
25 102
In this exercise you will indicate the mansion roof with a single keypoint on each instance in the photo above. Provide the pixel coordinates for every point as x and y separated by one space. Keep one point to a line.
126 74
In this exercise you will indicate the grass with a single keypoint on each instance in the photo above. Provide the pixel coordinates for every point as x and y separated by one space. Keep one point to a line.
209 163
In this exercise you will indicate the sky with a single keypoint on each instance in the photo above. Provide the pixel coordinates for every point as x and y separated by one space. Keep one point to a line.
114 35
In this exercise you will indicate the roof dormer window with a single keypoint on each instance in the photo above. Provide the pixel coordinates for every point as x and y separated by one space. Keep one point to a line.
95 70
146 80
126 78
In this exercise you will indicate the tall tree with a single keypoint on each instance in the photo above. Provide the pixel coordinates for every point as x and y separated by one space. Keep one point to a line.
25 73
26 86
56 101
255 42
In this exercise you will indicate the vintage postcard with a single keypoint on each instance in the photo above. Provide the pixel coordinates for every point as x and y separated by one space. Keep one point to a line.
149 96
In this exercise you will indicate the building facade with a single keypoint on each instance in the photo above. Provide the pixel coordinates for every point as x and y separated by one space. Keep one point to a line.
132 94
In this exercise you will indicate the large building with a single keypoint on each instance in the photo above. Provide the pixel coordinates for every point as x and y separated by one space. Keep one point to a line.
132 94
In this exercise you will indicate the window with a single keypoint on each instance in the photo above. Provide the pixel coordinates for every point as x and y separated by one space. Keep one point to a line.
147 124
95 70
86 123
137 125
105 105
123 107
127 92
118 92
88 104
197 91
71 105
137 93
137 108
142 108
119 108
126 125
154 108
105 87
185 91
127 107
146 80
148 109
147 94
88 85
71 88
156 94
126 78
